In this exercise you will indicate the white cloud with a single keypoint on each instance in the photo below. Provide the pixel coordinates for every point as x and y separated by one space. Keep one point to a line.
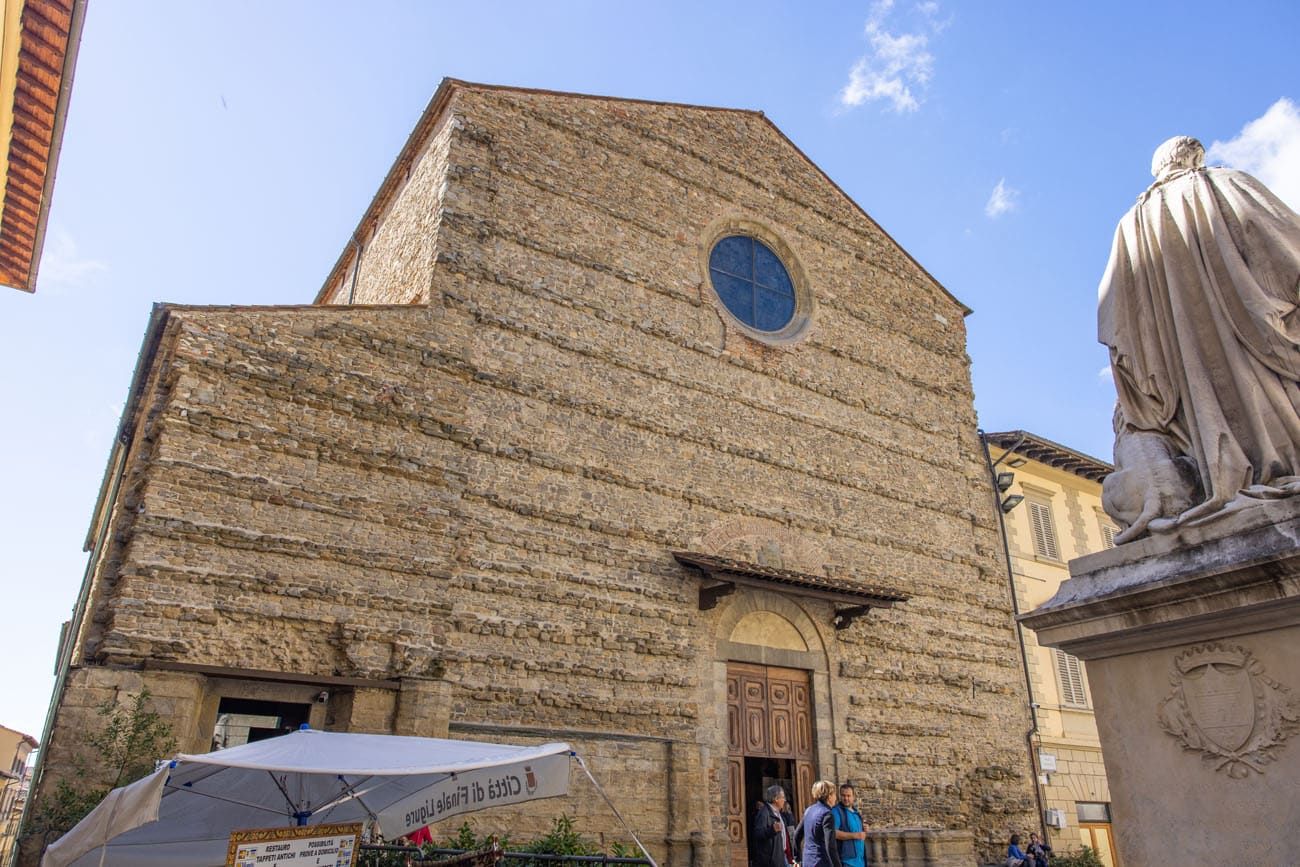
899 65
1002 200
1269 148
62 268
930 9
1105 373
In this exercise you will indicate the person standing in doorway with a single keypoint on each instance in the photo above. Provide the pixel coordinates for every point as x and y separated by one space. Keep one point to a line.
773 831
815 837
850 830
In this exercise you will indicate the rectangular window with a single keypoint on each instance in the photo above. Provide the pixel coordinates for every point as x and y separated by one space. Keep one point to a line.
1040 522
1070 671
1108 532
1093 812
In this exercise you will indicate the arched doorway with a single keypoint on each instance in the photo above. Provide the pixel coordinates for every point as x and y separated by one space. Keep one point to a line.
777 706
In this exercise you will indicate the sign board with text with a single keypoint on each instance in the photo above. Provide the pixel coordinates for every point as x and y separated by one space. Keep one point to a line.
541 777
306 846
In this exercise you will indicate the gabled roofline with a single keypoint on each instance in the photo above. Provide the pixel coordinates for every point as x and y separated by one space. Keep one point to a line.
1053 454
428 119
437 106
126 423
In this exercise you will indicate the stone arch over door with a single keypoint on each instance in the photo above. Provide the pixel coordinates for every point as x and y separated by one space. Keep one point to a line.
747 602
756 632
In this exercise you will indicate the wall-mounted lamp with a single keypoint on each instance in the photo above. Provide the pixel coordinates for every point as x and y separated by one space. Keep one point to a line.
1017 462
1011 502
1004 481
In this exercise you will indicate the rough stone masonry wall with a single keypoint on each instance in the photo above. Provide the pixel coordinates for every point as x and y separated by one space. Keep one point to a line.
280 520
301 505
633 422
484 490
397 260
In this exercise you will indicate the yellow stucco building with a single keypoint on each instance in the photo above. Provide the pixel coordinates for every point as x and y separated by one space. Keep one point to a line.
15 747
1052 513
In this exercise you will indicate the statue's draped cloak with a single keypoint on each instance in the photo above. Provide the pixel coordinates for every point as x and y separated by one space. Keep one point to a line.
1199 308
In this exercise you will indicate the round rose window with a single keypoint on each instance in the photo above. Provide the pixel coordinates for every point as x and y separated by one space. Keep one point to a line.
752 282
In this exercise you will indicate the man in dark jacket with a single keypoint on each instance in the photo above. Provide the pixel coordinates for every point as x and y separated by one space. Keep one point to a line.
772 831
816 832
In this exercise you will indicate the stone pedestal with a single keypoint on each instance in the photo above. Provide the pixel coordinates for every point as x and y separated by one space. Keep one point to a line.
1192 644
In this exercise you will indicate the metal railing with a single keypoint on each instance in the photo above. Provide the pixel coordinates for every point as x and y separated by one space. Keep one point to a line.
375 855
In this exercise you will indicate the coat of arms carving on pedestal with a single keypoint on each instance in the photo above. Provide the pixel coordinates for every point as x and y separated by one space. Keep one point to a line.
1224 707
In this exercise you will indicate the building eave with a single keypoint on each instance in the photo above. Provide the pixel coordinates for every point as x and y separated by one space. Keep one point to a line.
23 737
1051 454
126 424
50 37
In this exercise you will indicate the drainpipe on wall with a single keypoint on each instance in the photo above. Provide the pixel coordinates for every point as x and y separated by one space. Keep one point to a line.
1020 635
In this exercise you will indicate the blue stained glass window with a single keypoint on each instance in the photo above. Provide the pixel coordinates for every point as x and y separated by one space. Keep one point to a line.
752 282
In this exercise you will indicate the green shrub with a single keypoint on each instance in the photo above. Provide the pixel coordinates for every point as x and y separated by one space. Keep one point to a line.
124 747
562 839
1084 857
464 838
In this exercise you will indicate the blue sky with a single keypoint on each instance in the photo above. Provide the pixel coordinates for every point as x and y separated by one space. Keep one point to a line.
221 153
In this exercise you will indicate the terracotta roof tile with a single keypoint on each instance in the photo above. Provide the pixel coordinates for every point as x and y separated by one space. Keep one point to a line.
49 32
721 567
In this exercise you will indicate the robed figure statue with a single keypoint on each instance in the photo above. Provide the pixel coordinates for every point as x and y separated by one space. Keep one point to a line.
1200 306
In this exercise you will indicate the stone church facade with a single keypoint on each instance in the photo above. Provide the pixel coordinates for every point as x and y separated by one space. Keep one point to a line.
521 473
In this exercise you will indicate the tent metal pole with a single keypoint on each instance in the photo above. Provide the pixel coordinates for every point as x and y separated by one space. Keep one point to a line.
617 814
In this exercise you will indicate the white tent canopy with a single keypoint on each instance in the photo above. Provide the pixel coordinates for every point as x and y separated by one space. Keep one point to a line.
182 815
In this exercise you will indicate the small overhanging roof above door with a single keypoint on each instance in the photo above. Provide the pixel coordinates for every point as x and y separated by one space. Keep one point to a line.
721 576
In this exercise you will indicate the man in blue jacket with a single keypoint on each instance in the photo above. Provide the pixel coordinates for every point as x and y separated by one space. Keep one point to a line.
850 830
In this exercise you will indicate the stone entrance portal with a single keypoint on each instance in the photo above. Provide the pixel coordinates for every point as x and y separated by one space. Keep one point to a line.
769 740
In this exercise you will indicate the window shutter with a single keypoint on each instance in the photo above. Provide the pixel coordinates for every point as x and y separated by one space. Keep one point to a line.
1108 535
1040 520
1070 671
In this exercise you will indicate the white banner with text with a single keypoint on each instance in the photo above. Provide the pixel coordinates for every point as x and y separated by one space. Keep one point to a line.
544 777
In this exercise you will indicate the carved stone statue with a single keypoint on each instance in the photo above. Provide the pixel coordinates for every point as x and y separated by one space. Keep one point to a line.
1199 306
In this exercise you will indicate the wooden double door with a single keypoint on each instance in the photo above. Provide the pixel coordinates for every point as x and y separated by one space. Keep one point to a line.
769 740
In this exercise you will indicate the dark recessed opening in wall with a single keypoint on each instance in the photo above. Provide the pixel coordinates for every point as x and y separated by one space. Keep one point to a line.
244 720
761 773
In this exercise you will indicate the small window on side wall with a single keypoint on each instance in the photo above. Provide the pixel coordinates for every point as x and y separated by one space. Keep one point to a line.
1108 532
1069 670
1095 813
1044 531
